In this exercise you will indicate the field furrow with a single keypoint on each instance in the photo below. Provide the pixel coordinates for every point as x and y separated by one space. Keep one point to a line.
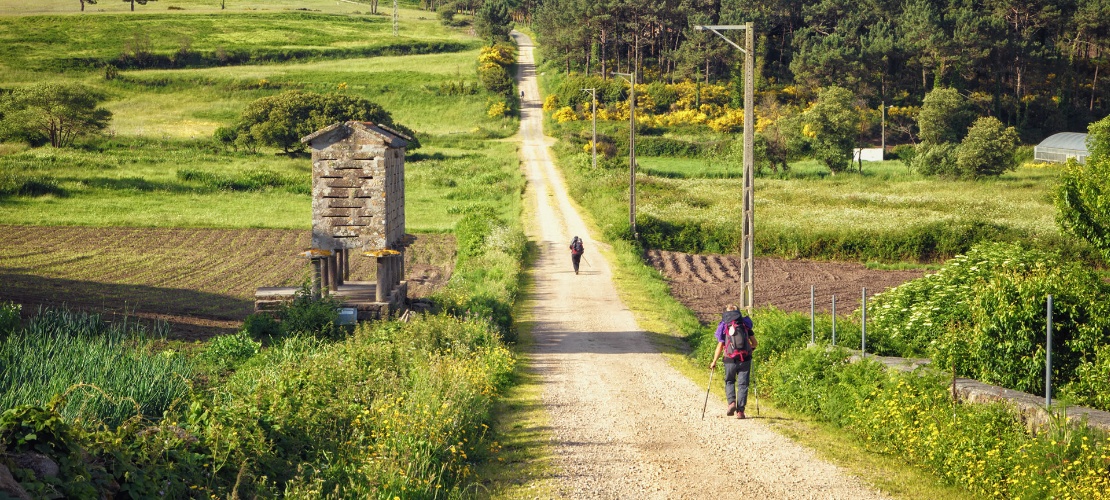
200 280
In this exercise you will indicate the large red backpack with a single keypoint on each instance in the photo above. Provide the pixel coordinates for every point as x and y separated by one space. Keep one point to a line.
738 344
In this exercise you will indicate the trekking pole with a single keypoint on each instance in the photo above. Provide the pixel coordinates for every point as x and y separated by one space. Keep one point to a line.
587 262
710 384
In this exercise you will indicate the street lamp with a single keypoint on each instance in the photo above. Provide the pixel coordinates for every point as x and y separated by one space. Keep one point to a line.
593 94
746 239
631 78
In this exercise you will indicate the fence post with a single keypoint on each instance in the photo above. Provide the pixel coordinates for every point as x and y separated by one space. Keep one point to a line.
1048 359
812 330
863 325
834 319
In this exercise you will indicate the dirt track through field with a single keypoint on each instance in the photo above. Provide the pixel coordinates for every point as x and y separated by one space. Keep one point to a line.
625 424
707 283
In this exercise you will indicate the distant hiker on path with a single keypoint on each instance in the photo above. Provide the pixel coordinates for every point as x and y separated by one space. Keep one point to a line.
576 250
737 341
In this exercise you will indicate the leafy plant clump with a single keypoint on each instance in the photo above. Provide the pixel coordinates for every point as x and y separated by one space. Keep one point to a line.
984 315
983 448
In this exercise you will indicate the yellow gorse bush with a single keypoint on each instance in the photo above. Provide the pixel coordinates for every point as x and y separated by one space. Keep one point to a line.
565 114
551 103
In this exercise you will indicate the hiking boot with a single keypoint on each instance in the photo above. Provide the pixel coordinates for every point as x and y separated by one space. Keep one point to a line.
740 415
731 409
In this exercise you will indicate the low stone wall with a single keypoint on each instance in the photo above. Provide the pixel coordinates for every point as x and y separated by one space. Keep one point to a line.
1029 408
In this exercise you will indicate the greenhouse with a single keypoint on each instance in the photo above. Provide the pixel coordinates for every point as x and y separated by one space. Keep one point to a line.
1060 147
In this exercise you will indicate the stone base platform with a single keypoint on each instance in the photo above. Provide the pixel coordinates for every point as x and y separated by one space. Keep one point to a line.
361 295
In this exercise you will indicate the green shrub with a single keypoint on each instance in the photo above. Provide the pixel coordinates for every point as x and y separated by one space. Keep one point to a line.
282 120
663 146
230 350
1082 196
936 159
988 149
309 315
984 315
261 326
495 78
904 152
9 318
14 184
944 116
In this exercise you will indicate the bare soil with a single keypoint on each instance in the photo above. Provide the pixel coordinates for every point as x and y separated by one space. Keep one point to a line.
201 281
708 283
624 423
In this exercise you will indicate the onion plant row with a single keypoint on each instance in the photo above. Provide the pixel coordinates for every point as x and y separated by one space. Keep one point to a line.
105 371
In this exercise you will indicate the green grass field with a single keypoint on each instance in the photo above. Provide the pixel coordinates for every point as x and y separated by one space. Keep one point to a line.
887 196
163 118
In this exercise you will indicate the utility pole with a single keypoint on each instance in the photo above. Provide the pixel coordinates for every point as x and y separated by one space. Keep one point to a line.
394 17
631 77
882 155
593 96
746 239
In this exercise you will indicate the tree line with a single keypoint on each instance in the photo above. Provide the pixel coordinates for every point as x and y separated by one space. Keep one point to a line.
1037 65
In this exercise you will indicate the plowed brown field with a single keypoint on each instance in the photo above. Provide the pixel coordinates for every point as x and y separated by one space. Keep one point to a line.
200 280
707 283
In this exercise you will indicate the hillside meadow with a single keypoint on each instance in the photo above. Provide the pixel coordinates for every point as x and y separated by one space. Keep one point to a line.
159 167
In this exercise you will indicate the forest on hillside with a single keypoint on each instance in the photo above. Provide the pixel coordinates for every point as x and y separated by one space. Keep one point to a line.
1040 66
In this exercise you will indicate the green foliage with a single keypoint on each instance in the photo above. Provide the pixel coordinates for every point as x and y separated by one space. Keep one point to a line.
832 124
282 120
495 78
936 159
492 21
106 369
984 315
56 112
9 318
309 315
1088 386
944 116
250 180
230 350
494 63
1082 196
261 326
988 149
486 281
910 416
666 146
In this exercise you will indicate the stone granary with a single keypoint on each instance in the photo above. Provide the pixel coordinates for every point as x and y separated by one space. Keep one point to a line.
358 203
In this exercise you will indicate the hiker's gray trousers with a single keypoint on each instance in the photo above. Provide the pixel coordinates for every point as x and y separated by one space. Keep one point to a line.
736 383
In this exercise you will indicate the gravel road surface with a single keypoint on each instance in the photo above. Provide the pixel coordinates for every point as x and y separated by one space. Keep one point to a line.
625 424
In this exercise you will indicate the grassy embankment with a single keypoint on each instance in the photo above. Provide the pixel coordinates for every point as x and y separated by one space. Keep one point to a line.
826 203
253 426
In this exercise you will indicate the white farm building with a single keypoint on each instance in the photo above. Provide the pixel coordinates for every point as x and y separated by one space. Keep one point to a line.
1058 148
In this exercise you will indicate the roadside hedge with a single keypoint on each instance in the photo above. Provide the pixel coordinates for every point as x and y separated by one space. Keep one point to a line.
983 448
984 314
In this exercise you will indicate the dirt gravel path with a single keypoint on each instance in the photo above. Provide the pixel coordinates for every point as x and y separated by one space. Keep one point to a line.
625 424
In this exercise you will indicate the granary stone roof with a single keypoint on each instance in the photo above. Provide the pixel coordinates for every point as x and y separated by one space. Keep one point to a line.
393 138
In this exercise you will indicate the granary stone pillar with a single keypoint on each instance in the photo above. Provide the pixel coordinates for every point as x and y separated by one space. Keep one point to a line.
346 264
333 273
381 291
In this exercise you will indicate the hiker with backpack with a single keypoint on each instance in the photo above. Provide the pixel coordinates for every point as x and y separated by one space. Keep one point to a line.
576 250
736 340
